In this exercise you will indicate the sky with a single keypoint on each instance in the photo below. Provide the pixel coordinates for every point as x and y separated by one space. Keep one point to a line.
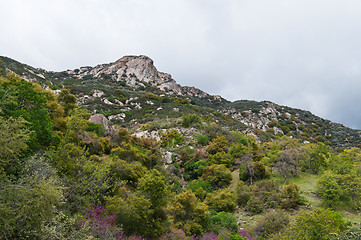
303 54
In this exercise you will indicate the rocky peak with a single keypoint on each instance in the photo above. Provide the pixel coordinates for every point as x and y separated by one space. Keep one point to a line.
135 71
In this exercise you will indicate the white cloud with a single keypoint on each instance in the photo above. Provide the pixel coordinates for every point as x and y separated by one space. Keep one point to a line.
299 53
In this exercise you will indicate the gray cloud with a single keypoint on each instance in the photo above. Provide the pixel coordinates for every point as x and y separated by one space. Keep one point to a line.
303 54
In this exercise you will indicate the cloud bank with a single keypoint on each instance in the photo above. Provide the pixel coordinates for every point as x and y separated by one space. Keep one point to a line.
303 54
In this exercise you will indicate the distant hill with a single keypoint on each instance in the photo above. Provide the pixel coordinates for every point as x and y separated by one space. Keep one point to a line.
131 92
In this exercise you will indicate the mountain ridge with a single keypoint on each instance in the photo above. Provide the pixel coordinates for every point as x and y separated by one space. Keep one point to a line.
131 90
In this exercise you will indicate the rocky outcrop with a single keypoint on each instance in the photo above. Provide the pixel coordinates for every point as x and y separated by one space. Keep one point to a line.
135 71
101 119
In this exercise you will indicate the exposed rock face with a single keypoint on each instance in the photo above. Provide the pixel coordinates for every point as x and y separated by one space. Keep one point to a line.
134 71
101 119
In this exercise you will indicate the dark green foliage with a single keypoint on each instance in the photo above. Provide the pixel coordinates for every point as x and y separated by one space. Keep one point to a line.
23 99
194 169
200 184
97 128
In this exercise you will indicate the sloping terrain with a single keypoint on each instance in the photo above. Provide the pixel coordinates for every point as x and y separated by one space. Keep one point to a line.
132 91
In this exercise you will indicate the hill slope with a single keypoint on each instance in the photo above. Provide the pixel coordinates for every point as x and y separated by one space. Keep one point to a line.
131 92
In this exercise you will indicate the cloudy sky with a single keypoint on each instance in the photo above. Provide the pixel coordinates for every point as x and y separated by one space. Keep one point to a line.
304 54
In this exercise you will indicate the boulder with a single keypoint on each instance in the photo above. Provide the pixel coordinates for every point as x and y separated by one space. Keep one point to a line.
101 119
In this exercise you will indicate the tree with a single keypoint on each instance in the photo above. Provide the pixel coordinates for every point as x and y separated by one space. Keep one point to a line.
287 163
218 144
318 156
14 135
314 225
221 200
217 175
154 187
67 100
19 98
252 171
220 158
188 213
28 203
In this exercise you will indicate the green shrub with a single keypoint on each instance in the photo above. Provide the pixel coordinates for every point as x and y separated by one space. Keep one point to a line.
218 175
97 128
202 139
218 221
255 206
221 200
271 223
190 119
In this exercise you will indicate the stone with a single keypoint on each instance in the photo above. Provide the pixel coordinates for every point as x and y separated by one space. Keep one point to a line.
167 157
101 119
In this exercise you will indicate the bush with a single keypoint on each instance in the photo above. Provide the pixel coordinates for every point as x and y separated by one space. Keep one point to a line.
171 138
221 200
290 196
218 144
194 169
243 193
316 224
222 221
190 119
217 175
271 223
202 140
255 206
220 158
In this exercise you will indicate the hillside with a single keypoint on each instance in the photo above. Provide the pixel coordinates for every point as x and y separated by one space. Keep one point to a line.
120 151
132 91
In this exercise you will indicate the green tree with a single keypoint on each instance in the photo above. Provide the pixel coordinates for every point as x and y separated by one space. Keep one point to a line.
31 201
154 187
217 175
318 156
220 158
314 225
189 213
19 98
218 144
221 200
67 100
13 137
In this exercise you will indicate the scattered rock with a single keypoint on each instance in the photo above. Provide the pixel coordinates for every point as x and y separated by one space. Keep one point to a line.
167 157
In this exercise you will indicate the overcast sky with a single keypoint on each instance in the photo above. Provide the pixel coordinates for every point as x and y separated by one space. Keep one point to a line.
304 54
